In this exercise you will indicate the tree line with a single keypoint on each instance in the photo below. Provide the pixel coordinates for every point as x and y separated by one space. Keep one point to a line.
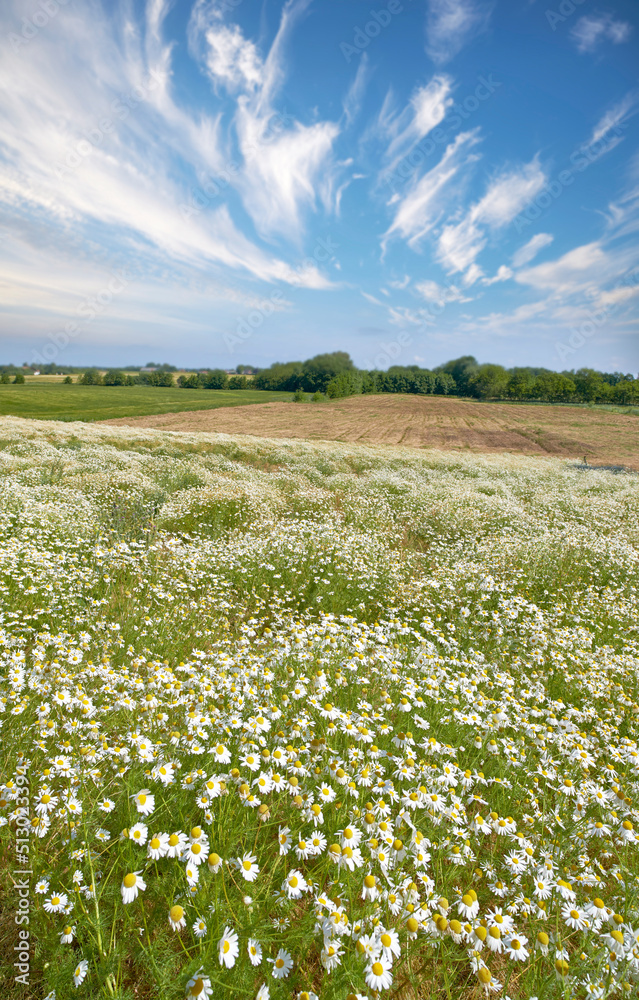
334 375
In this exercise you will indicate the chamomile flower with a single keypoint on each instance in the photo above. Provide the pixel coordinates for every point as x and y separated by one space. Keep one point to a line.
144 802
132 884
248 867
254 949
138 833
228 948
294 885
282 964
379 975
80 972
158 846
176 845
56 903
199 927
198 987
177 919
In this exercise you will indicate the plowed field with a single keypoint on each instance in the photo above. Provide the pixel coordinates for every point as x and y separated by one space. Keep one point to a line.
601 436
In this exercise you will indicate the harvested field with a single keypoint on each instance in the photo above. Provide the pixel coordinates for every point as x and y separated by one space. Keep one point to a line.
604 437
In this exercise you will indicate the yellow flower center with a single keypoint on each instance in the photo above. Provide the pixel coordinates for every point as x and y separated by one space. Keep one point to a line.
129 881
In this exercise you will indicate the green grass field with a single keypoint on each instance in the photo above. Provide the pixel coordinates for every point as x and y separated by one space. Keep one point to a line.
103 402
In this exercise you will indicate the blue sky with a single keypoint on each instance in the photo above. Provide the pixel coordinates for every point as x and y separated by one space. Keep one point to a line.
232 181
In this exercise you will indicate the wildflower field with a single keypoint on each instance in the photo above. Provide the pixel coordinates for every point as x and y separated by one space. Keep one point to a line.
298 720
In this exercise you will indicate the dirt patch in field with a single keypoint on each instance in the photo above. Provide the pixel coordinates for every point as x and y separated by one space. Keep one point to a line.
600 436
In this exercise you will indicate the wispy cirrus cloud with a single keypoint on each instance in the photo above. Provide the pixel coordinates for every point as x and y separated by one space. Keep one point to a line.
461 242
615 116
592 30
425 110
450 24
113 106
420 209
530 249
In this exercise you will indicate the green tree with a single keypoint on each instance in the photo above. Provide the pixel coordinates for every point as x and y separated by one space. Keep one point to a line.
19 379
91 377
461 370
320 370
489 382
216 379
114 377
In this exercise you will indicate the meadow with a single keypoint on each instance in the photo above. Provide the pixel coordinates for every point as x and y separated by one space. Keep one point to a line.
53 400
284 719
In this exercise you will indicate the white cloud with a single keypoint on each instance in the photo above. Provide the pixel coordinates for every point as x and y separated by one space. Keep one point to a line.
509 194
355 94
461 242
451 23
427 107
503 274
593 29
287 167
440 294
371 298
573 271
420 209
124 180
613 118
530 249
232 59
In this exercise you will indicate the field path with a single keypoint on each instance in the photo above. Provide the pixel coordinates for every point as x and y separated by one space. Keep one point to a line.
603 436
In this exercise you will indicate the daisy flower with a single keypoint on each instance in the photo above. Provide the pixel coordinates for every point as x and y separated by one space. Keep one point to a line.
254 949
158 846
192 873
80 972
574 918
195 853
67 935
56 902
390 944
228 948
294 884
176 844
198 987
176 917
132 884
331 955
282 964
214 862
247 867
199 928
139 833
379 975
515 948
370 890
